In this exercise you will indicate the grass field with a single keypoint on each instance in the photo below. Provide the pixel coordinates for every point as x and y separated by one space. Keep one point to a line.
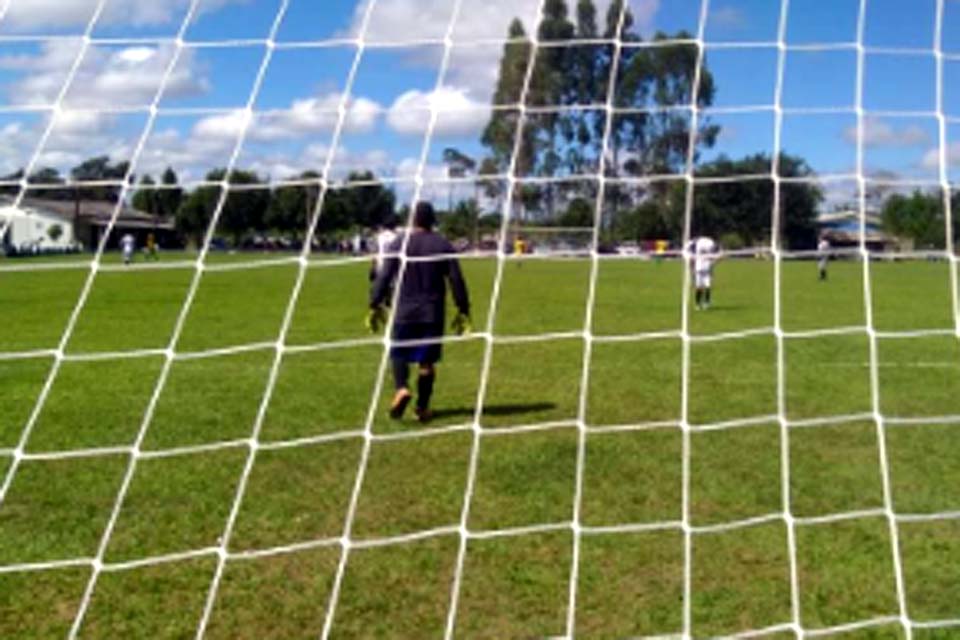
516 585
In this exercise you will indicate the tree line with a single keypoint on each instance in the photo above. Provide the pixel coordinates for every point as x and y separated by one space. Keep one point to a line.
918 220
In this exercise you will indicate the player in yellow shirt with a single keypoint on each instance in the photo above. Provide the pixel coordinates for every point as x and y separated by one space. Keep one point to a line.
519 249
151 247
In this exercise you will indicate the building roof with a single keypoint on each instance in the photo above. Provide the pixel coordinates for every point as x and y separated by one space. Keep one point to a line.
845 226
96 213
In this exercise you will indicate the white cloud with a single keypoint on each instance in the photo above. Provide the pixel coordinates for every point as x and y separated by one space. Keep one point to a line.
273 142
136 55
304 117
880 133
644 14
78 135
42 16
931 159
222 126
316 115
107 76
728 17
133 75
410 20
458 114
79 122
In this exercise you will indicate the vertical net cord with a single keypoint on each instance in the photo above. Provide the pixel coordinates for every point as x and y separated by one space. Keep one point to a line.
776 241
872 333
492 308
944 175
685 326
588 322
184 310
303 264
346 543
68 330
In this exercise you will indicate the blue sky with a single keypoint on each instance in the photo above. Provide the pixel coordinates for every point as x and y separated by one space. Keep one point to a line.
388 107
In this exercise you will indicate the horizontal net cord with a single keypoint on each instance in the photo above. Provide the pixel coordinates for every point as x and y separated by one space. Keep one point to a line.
502 339
322 260
487 431
35 189
463 43
532 109
228 261
477 534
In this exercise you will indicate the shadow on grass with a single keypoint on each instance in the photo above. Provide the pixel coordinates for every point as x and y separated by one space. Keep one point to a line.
494 410
722 308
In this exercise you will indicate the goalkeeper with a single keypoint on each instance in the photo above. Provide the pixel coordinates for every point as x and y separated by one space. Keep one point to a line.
420 309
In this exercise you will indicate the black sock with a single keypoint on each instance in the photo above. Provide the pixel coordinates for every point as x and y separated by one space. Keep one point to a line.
706 296
401 374
699 297
425 389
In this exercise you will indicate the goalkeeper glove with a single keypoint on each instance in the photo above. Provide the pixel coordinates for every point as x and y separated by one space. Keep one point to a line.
376 318
461 324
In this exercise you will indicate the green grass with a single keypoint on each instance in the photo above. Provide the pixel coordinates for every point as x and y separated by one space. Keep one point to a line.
517 586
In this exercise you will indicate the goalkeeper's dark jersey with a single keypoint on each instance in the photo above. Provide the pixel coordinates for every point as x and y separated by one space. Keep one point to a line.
424 287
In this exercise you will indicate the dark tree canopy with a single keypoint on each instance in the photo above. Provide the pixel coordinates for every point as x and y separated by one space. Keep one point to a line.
292 207
367 204
738 212
917 218
99 169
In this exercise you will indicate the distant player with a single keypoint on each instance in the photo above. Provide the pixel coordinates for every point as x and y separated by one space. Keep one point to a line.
420 309
127 247
519 249
386 237
519 246
151 247
823 257
703 255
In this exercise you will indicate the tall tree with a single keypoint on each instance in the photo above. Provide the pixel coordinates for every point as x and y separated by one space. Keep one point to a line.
459 165
657 84
654 86
243 211
741 211
499 136
366 203
169 198
917 218
99 169
145 197
195 212
292 206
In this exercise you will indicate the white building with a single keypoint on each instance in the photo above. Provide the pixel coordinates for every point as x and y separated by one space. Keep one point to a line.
34 229
56 226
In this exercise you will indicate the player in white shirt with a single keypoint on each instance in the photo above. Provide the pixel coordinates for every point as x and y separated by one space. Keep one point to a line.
703 255
127 246
823 252
385 237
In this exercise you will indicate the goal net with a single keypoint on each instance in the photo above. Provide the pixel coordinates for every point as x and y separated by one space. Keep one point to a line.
712 387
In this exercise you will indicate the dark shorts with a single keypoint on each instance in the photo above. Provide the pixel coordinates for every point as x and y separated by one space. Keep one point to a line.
420 353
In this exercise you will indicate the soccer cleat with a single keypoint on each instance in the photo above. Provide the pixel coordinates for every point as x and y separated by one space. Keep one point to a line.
424 415
400 401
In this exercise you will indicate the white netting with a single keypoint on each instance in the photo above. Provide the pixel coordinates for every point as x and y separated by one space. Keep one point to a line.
346 543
